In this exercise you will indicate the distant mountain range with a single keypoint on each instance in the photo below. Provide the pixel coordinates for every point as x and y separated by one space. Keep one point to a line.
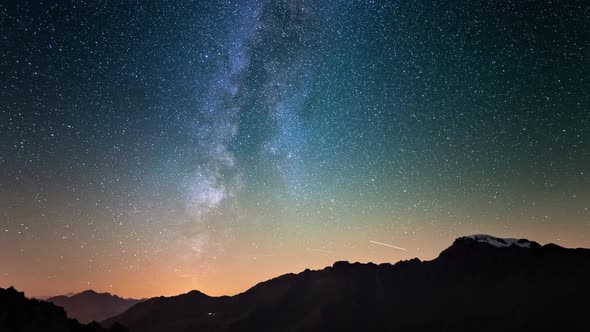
45 297
91 306
19 314
480 283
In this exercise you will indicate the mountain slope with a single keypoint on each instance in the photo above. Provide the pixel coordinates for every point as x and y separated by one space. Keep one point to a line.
480 283
19 314
91 306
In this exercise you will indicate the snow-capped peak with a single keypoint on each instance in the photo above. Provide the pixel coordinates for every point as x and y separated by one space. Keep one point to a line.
500 242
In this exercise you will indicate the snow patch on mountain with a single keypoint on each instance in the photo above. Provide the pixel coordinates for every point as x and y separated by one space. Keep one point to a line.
500 242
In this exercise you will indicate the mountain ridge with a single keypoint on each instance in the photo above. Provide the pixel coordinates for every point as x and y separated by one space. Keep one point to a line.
469 283
89 305
21 314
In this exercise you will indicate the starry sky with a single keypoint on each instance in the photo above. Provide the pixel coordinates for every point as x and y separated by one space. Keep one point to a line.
153 147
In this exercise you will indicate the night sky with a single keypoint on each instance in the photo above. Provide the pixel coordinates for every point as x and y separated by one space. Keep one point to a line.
153 147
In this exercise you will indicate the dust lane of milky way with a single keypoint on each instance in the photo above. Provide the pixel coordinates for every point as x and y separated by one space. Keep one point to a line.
153 148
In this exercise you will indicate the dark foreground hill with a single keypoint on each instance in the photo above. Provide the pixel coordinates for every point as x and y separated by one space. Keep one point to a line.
19 314
91 306
480 283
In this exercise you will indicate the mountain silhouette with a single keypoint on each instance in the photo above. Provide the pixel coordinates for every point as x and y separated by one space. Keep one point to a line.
91 306
479 283
19 314
45 297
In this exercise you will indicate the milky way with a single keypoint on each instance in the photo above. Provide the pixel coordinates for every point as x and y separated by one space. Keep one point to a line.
281 92
213 144
217 177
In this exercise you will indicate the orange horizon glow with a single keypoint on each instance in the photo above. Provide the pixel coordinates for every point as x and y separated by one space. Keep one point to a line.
235 274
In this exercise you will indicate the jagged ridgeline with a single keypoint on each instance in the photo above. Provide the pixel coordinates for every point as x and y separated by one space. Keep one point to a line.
20 314
91 306
480 283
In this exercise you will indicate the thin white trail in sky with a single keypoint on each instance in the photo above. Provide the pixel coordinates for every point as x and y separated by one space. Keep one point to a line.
388 245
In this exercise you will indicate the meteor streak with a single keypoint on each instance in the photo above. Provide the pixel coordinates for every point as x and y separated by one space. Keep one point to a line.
388 245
